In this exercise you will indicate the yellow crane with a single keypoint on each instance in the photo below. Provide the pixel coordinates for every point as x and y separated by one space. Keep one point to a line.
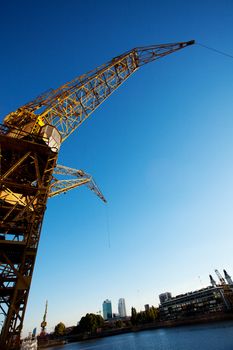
30 139
44 322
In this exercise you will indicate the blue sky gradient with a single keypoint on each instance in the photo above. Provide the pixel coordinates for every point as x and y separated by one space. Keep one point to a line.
160 148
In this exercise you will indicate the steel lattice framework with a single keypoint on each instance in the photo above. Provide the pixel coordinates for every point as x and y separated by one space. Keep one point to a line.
22 210
29 144
59 186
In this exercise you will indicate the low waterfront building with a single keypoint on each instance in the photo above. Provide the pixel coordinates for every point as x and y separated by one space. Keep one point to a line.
206 300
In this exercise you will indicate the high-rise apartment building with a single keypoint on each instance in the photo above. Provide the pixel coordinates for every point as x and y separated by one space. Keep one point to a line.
121 307
107 309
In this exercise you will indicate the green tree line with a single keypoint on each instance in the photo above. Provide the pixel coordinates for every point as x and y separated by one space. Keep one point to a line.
142 317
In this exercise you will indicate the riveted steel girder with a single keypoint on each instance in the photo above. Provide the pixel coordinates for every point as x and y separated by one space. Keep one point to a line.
25 175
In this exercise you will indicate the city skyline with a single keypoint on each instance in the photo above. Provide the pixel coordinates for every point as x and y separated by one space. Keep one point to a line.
163 296
108 310
107 307
160 149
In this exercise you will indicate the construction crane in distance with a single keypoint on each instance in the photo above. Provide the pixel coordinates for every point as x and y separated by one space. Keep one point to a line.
221 279
212 281
44 322
228 278
30 139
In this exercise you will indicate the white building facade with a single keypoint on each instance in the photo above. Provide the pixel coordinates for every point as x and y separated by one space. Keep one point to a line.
121 307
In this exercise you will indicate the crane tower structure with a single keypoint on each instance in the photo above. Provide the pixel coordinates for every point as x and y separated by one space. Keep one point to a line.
44 322
30 140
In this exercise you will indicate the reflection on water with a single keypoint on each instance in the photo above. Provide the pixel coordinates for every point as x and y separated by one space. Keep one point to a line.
218 336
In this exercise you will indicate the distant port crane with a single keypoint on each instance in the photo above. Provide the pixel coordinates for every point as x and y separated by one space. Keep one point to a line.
30 139
44 322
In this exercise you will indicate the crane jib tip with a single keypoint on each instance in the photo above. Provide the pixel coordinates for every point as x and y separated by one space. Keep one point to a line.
191 42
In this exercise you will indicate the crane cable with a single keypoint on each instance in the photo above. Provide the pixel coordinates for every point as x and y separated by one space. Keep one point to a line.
215 50
107 226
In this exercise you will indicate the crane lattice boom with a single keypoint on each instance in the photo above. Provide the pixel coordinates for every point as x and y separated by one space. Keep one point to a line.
59 186
68 106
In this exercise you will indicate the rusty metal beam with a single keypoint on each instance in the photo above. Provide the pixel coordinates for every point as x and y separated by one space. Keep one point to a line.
23 197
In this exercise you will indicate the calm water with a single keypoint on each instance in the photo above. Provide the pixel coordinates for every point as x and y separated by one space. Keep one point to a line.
217 336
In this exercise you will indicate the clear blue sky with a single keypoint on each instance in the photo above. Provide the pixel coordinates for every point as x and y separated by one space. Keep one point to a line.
160 148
